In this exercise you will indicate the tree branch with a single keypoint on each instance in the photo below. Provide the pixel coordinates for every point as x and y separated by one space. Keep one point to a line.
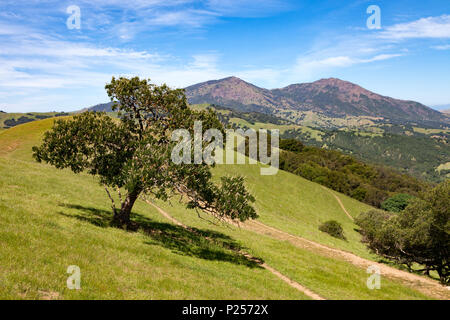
113 205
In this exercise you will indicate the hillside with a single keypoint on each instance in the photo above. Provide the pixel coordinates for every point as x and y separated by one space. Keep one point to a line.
54 218
421 152
330 97
8 120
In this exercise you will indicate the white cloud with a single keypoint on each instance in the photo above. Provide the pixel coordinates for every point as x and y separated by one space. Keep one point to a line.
431 27
246 8
442 47
310 65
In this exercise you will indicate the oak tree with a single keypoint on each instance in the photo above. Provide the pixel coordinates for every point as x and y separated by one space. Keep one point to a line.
132 153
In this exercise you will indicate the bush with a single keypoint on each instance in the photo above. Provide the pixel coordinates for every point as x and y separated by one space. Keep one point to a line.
397 202
13 122
42 116
333 228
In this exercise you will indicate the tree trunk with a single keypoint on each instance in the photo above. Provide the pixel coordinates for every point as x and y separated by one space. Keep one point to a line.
122 216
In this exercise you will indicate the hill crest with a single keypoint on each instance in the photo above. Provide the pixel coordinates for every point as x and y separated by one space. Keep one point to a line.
332 97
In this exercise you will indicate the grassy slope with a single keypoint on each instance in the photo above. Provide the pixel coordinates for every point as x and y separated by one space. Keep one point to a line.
298 206
16 116
52 218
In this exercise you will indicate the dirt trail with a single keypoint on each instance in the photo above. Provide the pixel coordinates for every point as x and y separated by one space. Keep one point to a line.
340 202
425 285
422 284
290 282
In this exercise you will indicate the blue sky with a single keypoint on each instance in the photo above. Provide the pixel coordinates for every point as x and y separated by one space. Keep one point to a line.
46 66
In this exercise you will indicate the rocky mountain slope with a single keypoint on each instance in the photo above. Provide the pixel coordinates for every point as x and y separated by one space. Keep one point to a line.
331 97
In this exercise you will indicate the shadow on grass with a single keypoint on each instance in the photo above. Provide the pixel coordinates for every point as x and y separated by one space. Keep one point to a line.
203 244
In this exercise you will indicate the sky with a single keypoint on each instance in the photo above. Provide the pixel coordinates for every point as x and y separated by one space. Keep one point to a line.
58 55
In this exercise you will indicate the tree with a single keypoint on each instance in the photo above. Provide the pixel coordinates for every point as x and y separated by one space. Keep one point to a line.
291 145
419 234
133 153
397 202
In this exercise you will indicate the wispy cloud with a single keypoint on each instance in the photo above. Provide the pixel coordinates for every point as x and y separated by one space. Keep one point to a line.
442 47
431 27
246 8
310 65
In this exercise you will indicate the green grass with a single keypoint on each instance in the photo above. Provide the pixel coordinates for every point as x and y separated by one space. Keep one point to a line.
50 219
17 141
430 131
260 125
444 166
330 278
298 206
31 115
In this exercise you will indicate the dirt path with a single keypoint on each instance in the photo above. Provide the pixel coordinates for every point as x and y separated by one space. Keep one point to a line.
340 202
275 272
422 284
425 285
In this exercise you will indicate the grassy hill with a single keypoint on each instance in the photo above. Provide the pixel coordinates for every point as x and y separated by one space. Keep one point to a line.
50 219
8 120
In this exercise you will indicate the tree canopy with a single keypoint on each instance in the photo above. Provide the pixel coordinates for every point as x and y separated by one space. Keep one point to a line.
419 234
133 152
397 202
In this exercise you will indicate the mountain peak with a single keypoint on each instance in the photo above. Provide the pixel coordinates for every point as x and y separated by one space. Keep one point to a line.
331 96
232 78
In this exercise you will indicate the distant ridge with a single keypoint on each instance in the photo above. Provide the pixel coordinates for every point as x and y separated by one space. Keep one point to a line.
102 107
332 97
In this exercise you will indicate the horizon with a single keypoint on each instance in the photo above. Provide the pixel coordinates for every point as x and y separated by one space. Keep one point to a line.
440 108
56 58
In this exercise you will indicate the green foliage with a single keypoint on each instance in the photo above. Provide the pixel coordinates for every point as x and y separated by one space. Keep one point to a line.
399 147
419 234
234 200
134 152
333 228
13 122
291 145
343 173
250 117
397 202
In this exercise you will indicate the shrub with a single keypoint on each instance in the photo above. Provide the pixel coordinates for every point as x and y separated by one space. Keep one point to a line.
397 202
333 228
42 116
13 122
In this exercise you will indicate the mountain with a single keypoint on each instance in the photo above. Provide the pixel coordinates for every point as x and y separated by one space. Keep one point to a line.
234 93
102 107
331 97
